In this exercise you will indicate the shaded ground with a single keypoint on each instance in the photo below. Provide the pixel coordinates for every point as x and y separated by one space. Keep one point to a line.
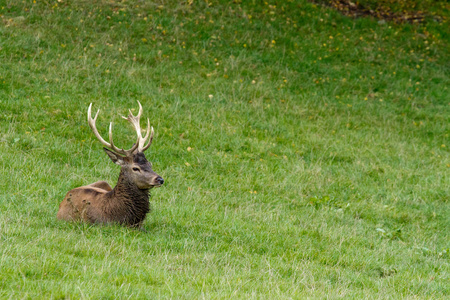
390 10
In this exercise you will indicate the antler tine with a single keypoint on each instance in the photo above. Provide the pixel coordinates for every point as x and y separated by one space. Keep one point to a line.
113 147
148 130
151 138
140 110
133 116
91 123
105 143
135 121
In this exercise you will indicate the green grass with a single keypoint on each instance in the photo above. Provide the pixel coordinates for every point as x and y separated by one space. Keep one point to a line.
305 154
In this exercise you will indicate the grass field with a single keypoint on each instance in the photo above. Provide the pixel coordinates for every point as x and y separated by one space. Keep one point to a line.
305 153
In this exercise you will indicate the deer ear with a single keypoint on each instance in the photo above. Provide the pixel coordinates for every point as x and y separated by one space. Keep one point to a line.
117 159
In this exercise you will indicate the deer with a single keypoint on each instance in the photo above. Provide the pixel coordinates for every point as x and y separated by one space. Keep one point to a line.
128 202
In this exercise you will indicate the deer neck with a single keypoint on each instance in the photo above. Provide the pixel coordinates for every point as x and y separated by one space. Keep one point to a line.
131 203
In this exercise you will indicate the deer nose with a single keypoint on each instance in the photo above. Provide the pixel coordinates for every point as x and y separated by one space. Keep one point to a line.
160 180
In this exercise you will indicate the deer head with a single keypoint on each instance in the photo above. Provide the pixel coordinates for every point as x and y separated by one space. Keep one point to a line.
136 169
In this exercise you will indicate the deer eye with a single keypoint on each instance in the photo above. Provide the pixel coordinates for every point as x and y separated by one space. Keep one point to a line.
136 169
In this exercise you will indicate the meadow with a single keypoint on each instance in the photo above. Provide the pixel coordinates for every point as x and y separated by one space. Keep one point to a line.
305 153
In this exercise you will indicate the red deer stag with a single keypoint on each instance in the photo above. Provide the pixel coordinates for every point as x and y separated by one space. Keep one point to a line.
128 203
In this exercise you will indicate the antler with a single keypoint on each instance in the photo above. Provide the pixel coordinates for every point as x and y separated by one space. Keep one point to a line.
110 145
134 120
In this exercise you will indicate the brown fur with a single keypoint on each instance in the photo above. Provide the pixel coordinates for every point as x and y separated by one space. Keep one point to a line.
127 204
